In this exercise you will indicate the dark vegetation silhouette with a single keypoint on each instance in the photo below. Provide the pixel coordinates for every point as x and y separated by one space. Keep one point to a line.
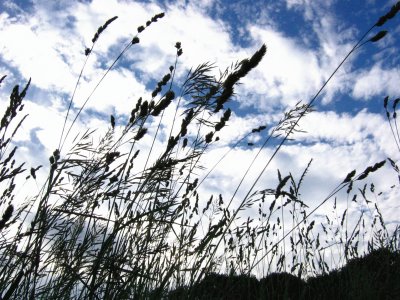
220 286
374 276
104 227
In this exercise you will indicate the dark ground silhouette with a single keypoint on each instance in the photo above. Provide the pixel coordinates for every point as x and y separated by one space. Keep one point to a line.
375 276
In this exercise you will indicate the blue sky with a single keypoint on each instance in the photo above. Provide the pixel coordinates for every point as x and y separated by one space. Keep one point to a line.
306 40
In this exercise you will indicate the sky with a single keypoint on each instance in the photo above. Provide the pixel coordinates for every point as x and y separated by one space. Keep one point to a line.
306 40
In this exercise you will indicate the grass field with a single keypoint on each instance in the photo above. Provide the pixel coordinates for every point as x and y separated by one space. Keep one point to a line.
106 226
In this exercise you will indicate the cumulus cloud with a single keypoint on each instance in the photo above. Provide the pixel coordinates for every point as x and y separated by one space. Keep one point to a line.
37 44
375 82
29 48
347 129
287 74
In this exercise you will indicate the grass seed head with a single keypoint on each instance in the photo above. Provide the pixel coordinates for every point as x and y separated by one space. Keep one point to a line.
102 28
378 36
208 137
2 78
184 143
135 40
112 120
142 131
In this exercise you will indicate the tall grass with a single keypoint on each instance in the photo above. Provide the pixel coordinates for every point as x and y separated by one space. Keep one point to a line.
103 226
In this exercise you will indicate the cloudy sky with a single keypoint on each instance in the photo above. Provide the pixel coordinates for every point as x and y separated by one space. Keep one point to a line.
306 40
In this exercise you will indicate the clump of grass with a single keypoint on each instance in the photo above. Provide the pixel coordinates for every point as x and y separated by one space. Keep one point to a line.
373 276
103 226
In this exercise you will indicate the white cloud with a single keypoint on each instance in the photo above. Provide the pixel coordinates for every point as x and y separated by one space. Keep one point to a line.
295 68
346 129
376 81
32 49
310 8
119 91
288 73
203 39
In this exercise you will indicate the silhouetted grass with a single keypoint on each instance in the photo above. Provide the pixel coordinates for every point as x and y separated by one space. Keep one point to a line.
105 227
374 276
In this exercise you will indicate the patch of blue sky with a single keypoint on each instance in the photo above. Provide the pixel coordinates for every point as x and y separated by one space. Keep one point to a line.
14 7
